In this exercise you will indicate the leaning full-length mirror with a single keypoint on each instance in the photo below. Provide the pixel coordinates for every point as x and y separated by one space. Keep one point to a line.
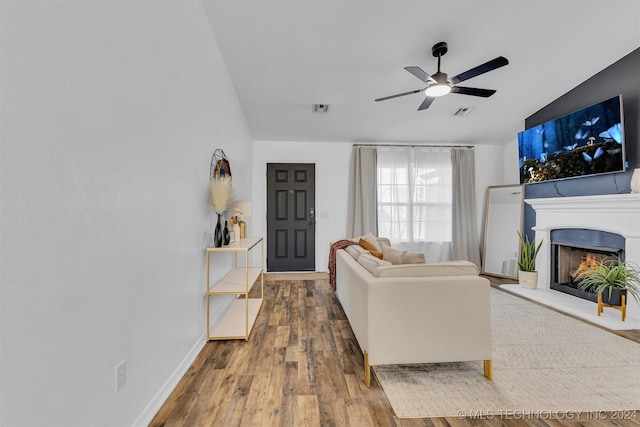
502 222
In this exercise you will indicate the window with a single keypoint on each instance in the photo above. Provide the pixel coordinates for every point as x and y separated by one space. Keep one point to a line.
414 194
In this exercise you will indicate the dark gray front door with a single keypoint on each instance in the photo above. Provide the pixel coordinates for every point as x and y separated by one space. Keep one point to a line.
291 236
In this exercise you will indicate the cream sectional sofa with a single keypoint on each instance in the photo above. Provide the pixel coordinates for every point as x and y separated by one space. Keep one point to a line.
415 313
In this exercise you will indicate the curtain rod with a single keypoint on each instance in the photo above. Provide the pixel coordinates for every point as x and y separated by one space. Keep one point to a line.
414 145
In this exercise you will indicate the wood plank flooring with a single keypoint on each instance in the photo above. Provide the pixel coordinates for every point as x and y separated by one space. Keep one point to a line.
301 367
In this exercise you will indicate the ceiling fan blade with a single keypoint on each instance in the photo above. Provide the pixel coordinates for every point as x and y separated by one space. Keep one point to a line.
399 94
426 103
485 93
498 62
420 73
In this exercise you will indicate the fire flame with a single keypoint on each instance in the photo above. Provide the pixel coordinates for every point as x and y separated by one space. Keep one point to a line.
589 262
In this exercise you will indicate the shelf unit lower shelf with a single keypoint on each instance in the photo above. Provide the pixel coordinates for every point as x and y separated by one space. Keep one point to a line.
232 324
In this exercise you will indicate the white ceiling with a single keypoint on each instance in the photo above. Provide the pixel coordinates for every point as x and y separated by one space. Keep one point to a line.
283 56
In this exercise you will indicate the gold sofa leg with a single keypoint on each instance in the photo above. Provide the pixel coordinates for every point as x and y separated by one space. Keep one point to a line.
367 370
488 370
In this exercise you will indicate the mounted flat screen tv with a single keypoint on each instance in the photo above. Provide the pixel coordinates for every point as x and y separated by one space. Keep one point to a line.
586 142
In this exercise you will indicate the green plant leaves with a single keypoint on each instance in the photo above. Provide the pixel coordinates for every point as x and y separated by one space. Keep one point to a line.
528 253
610 274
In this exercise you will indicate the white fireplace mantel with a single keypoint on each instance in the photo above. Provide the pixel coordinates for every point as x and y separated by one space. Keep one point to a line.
594 211
615 213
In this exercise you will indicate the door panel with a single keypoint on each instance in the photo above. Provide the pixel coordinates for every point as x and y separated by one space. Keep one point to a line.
281 205
290 217
301 243
301 205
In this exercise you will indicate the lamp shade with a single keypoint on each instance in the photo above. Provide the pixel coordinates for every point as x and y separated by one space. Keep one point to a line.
241 208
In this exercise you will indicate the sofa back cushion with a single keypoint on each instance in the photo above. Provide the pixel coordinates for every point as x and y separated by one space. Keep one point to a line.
449 268
356 251
371 263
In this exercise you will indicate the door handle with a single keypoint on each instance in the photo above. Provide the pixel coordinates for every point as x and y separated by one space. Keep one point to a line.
312 216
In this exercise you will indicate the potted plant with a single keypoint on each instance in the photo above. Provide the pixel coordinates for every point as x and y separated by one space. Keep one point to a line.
527 275
612 279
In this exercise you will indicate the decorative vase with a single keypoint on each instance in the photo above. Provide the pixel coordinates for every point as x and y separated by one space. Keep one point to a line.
635 181
236 232
226 236
528 279
217 235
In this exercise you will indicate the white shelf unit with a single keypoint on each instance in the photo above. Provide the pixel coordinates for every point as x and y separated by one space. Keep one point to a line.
238 320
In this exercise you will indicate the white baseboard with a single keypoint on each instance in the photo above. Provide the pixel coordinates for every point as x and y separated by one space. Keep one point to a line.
172 382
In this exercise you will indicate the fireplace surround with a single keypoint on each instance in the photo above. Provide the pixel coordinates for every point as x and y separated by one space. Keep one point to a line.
607 215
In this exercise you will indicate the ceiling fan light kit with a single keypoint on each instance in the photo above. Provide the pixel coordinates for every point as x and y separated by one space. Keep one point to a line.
436 90
439 84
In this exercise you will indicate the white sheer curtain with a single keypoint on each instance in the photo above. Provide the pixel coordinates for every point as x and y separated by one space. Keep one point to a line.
414 199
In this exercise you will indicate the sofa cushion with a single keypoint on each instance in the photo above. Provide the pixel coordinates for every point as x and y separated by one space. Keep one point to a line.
373 249
449 268
371 263
356 251
394 256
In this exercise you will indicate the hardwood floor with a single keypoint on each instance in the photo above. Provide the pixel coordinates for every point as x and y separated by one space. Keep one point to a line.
302 367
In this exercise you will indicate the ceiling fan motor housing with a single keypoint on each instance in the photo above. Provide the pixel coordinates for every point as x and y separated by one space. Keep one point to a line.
439 49
440 78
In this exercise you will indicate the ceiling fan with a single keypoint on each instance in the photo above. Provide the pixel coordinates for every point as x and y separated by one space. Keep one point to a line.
439 84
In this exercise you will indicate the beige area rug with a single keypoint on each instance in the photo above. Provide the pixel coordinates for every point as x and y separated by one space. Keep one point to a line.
543 363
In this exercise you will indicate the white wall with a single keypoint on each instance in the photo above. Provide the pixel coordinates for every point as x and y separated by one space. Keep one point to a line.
489 161
110 114
510 167
332 179
495 165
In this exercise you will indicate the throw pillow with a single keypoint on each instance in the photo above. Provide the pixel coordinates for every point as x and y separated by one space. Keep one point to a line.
413 258
371 248
394 256
373 241
397 257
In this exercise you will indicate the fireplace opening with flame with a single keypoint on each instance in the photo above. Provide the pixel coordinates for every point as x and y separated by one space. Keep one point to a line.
576 250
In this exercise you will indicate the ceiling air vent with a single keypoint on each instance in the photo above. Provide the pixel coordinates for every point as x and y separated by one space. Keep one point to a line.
463 111
319 108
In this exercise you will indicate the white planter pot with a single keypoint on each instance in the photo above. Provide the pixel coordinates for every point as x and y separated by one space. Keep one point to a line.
528 279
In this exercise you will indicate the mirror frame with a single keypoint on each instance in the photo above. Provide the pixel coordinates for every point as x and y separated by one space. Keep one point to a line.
487 232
